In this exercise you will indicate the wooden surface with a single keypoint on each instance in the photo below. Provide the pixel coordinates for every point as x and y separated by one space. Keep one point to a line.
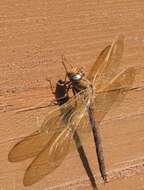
33 36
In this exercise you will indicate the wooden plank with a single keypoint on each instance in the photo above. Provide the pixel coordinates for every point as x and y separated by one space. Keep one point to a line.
33 36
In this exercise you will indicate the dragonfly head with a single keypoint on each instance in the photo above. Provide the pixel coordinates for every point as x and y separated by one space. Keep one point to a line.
76 74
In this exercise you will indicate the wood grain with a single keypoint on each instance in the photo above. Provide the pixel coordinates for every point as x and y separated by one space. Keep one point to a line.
33 36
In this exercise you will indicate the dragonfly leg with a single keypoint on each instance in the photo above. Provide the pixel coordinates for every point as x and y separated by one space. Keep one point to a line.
51 86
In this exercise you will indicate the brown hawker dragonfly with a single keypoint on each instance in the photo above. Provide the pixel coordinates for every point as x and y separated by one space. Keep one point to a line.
92 98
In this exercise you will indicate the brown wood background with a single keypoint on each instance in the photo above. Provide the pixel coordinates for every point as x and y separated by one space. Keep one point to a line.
33 36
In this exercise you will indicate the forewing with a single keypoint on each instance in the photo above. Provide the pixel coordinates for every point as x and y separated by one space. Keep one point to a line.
101 61
72 111
107 63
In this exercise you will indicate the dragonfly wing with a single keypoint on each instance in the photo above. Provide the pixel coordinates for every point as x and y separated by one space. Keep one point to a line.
29 147
104 98
111 63
50 157
102 104
107 63
59 145
109 94
123 80
101 61
71 113
56 121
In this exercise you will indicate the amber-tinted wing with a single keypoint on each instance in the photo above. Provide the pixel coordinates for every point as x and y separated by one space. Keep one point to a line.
107 63
104 98
72 111
115 90
29 147
55 122
101 61
54 140
49 158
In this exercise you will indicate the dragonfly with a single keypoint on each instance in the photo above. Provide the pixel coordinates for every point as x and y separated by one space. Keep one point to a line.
83 103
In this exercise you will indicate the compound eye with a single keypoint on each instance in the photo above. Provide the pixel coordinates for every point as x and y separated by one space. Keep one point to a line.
76 77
